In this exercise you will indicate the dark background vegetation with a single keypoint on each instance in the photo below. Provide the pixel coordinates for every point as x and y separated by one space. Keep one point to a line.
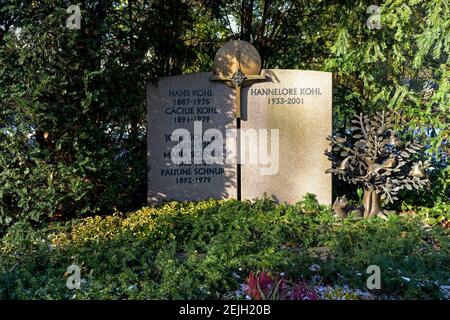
72 102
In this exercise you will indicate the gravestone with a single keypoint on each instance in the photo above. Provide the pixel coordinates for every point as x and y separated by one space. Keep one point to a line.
278 117
178 102
298 104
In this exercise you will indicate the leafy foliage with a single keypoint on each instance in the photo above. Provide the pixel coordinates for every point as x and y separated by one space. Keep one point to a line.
208 249
401 67
72 102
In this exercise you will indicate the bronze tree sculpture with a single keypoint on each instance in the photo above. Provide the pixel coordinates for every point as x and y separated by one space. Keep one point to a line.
378 161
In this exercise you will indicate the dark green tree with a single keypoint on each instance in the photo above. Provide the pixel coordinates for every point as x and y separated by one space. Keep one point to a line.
72 102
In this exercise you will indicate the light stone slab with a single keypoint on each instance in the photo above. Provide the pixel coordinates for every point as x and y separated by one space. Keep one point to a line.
216 102
296 103
303 119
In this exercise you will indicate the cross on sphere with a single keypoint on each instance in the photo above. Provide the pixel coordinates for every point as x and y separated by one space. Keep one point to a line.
239 79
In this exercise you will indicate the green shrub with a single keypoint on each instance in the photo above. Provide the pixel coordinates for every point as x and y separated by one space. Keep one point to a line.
205 250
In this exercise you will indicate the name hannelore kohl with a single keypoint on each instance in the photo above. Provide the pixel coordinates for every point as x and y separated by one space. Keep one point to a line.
286 92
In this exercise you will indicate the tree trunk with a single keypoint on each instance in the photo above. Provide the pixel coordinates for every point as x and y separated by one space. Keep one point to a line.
372 203
247 7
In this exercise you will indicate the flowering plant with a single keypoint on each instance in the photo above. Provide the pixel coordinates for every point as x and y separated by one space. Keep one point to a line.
264 286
